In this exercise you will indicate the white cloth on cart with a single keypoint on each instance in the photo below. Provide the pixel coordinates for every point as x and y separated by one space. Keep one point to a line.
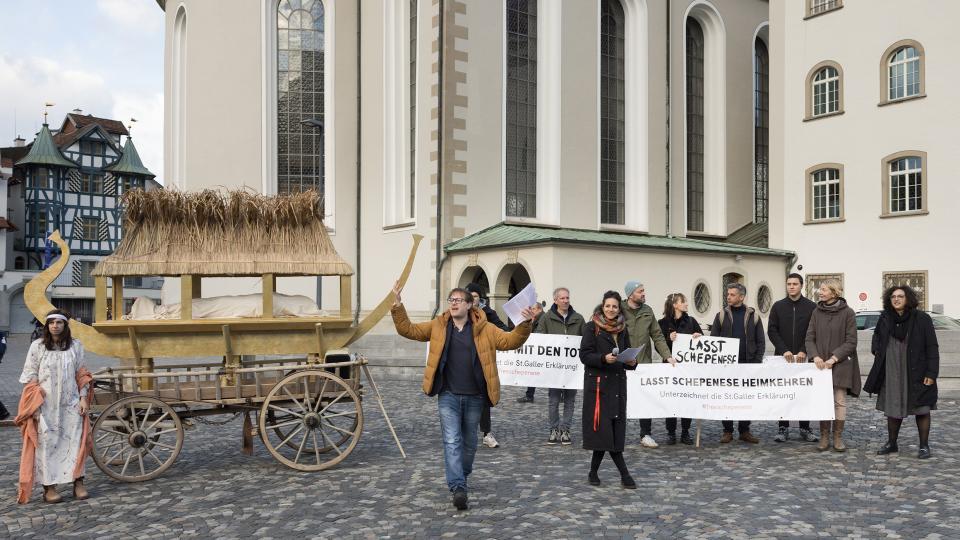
228 307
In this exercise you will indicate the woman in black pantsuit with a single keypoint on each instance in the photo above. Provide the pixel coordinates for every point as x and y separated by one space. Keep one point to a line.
605 387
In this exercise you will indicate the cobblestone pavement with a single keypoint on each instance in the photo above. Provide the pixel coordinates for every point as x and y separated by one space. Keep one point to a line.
524 489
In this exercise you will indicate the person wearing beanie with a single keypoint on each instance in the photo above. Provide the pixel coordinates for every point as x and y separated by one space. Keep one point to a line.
643 328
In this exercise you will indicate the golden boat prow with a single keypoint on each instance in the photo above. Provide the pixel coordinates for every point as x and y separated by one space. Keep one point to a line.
214 234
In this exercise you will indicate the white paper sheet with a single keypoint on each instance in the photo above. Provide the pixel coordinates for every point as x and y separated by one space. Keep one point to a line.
523 299
627 355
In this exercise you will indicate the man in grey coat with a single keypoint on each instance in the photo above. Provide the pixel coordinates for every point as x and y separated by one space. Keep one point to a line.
561 319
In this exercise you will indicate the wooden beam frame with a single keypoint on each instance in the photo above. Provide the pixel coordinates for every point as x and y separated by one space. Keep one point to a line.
345 310
186 296
269 287
117 305
100 286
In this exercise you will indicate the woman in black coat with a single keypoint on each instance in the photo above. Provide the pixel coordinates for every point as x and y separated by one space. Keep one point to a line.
675 321
906 362
605 387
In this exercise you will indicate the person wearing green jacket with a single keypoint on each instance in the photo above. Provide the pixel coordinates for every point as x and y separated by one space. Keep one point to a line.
561 319
643 328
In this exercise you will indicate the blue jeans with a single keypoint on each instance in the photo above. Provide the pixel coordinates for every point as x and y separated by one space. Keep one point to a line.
459 416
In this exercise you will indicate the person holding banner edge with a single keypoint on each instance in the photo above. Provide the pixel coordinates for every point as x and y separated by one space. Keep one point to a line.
787 330
906 363
675 321
462 371
605 387
736 320
832 341
643 328
561 319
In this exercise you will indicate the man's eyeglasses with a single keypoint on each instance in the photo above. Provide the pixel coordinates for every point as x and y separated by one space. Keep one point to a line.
455 300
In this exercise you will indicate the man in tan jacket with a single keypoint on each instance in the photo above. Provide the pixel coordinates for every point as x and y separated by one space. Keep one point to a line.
462 370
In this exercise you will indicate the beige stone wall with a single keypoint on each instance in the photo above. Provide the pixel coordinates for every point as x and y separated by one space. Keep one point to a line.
864 245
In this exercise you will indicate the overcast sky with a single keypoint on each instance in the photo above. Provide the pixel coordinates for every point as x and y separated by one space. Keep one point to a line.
102 56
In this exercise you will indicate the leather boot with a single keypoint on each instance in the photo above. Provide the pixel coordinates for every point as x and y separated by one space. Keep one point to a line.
824 436
79 492
50 494
838 445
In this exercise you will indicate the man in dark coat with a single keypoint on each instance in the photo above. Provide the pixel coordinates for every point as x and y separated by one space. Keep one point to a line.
736 320
561 319
787 329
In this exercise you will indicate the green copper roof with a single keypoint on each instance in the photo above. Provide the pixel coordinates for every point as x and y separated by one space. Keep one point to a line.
129 162
505 235
44 151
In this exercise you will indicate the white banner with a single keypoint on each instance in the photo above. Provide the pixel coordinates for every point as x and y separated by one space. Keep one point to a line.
705 349
730 392
544 361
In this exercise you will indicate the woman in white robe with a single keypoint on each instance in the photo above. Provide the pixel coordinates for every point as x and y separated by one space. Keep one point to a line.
53 361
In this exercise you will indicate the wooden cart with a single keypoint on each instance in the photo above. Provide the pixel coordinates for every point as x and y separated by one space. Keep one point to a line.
307 402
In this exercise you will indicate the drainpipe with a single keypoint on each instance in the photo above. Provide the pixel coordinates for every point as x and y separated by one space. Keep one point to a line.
356 314
667 161
440 259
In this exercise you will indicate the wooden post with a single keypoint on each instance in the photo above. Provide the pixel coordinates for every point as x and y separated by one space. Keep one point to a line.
142 364
345 297
186 297
269 287
100 284
117 297
321 343
230 361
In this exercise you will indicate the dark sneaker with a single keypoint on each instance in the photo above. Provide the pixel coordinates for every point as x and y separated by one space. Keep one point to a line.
627 482
672 438
808 436
888 448
782 435
554 436
594 479
924 452
565 437
525 399
685 438
460 498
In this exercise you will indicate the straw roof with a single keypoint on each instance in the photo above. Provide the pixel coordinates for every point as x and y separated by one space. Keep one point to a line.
216 233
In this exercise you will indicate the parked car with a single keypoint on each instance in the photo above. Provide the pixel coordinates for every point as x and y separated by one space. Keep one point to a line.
867 320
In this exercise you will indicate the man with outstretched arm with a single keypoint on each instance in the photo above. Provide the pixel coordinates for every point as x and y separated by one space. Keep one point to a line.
462 371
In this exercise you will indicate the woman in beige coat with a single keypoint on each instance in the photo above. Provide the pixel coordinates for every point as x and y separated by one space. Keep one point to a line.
832 343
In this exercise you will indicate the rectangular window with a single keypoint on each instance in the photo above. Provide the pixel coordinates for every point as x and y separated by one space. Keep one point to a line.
521 113
91 183
813 282
695 126
826 93
42 178
917 280
86 267
826 194
90 229
761 123
41 221
906 185
817 7
127 183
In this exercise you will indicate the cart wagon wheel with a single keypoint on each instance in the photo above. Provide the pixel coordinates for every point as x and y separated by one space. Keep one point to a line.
136 439
318 413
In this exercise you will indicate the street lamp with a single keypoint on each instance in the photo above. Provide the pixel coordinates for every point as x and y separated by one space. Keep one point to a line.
317 124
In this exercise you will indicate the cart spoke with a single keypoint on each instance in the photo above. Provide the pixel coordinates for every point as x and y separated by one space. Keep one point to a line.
341 430
167 446
288 411
344 413
292 433
306 394
140 459
320 395
126 463
115 456
300 450
107 434
330 441
293 398
158 420
158 433
334 401
316 446
154 456
285 424
146 414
